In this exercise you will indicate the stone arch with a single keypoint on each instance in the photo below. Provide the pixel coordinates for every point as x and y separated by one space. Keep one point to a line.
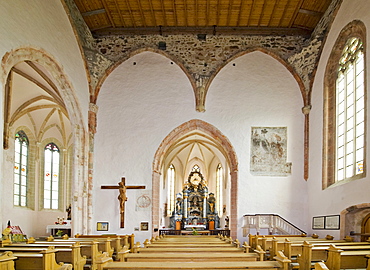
351 219
67 92
273 55
109 70
231 158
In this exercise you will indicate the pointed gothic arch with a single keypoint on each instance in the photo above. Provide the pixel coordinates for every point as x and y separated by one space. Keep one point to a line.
230 156
81 207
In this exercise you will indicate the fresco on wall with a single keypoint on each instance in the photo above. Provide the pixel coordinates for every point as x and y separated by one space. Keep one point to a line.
269 151
143 200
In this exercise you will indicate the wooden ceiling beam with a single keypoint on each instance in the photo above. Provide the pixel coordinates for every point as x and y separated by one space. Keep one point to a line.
93 12
186 13
310 12
262 12
250 13
241 7
108 13
264 31
229 12
152 12
119 13
164 13
273 12
175 13
294 17
284 13
218 13
141 13
130 11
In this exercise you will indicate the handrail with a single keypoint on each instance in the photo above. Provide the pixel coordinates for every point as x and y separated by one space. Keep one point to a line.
276 222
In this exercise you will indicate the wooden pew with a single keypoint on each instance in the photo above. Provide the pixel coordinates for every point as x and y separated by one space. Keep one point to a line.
104 244
44 260
291 250
7 260
88 249
67 254
280 263
339 259
311 254
119 241
255 240
321 266
281 244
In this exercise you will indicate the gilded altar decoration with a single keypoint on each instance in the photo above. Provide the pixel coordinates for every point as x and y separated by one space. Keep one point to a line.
195 208
269 151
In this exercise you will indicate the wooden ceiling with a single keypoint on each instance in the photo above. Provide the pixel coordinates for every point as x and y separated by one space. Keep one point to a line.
107 17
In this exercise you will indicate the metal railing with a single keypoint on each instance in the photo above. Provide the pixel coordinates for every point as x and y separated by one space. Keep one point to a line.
273 223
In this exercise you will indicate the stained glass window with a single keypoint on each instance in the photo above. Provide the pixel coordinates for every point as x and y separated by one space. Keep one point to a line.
350 112
51 176
20 169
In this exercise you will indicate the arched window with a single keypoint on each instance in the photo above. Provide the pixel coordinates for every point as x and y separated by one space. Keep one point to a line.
51 176
171 189
345 108
219 181
20 169
350 112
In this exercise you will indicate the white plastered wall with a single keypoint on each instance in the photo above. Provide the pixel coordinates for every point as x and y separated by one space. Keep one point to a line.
41 25
139 105
332 201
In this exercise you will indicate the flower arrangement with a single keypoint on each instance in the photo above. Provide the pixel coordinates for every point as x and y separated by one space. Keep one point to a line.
195 231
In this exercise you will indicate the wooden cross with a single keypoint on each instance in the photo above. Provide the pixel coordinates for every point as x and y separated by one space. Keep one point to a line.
122 197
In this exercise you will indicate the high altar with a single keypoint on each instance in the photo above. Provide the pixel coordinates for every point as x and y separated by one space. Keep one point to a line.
195 208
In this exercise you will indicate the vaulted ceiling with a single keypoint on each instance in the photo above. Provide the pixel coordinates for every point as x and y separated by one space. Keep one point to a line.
218 16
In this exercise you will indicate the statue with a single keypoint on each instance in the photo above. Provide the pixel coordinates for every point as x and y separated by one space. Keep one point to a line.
178 209
227 222
68 210
211 203
122 196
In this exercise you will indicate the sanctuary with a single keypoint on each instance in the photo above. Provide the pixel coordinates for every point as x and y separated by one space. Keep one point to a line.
195 208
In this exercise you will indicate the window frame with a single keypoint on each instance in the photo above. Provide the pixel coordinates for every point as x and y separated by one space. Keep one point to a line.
59 191
355 29
24 138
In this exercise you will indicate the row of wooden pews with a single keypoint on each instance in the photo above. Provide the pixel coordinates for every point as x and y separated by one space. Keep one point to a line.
194 252
305 252
62 254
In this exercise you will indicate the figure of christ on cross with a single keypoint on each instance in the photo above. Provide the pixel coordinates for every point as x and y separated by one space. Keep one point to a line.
122 197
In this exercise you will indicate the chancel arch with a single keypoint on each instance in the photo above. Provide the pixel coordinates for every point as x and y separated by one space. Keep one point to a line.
195 149
40 100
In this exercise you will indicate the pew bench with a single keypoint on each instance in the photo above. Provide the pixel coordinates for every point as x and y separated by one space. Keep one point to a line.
189 257
355 259
44 260
68 254
312 254
87 249
280 263
7 260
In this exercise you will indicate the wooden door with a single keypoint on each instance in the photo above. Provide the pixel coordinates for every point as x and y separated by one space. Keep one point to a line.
365 228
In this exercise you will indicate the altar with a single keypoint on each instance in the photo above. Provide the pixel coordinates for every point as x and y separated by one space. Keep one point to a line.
195 208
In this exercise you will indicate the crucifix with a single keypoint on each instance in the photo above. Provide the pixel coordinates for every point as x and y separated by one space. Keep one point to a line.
122 197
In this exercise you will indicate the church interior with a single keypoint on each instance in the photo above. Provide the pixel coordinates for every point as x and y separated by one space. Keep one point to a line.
183 116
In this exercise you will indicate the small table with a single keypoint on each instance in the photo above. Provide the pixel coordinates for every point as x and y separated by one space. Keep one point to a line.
198 227
52 229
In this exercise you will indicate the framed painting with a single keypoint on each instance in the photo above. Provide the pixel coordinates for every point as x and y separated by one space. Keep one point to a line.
318 223
144 226
332 222
102 226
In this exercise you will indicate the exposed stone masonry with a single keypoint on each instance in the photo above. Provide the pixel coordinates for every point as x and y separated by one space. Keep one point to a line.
202 59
